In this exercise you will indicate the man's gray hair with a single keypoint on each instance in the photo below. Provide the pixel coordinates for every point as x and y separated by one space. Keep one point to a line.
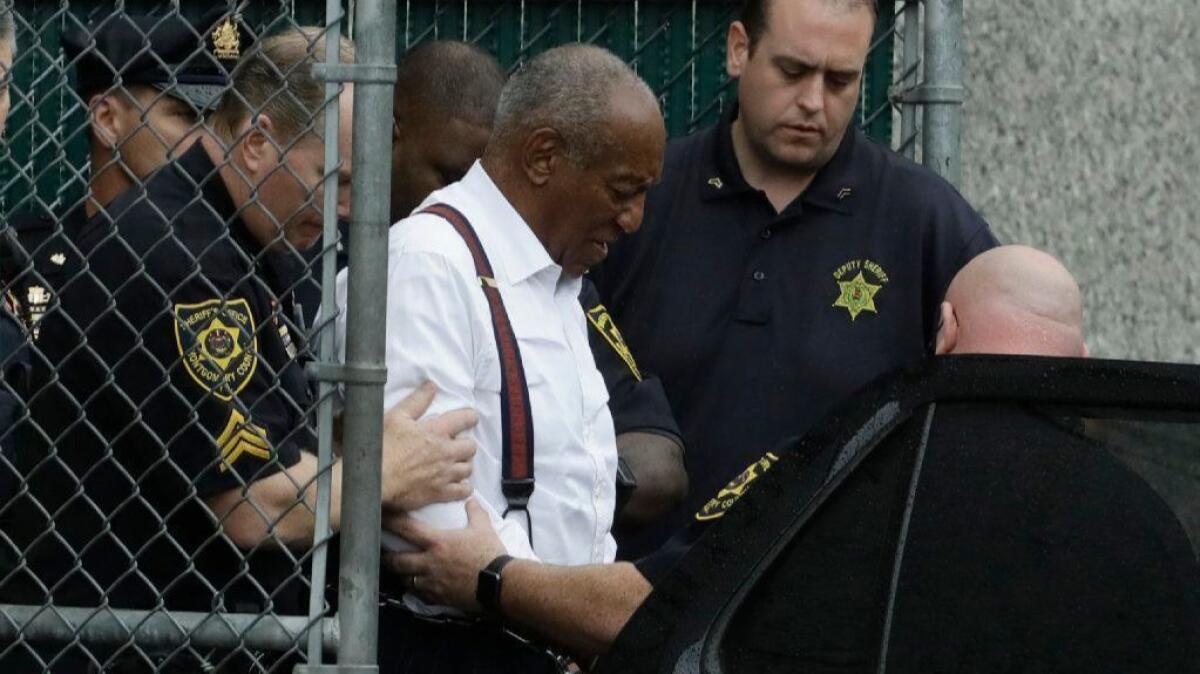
566 88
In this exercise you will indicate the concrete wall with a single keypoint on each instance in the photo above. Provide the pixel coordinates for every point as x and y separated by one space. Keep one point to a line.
1082 137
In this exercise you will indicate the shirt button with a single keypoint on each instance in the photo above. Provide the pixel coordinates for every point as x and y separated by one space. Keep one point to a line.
766 233
760 275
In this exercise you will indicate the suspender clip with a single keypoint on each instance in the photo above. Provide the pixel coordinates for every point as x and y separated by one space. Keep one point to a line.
517 493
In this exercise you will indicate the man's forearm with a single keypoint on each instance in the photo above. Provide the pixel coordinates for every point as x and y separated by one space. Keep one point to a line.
580 608
662 482
281 506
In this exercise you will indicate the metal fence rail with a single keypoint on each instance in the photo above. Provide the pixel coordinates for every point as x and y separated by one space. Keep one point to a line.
65 520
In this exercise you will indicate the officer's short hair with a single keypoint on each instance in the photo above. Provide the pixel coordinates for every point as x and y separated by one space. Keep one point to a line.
568 89
275 79
754 14
451 80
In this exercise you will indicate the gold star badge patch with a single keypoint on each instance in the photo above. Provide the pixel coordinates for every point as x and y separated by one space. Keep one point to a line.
857 296
859 282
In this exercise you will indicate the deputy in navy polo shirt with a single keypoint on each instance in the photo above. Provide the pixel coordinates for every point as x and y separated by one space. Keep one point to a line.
785 259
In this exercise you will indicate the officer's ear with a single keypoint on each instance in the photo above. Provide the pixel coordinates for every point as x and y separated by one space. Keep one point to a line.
259 151
737 49
106 119
947 335
541 153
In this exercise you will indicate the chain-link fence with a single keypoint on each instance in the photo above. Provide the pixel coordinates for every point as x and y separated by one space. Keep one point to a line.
166 411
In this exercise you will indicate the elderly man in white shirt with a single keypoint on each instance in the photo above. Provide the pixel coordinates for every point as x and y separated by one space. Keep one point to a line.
577 142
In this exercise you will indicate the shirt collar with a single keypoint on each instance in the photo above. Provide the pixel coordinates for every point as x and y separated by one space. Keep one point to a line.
514 251
833 188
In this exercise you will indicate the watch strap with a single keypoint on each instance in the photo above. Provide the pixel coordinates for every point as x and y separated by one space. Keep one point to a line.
487 588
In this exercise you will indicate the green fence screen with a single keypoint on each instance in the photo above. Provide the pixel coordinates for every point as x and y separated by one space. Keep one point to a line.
678 46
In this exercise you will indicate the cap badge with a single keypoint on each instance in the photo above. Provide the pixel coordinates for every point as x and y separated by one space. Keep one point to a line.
227 44
58 259
716 182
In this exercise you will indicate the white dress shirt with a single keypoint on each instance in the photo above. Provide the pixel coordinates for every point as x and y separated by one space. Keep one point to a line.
439 328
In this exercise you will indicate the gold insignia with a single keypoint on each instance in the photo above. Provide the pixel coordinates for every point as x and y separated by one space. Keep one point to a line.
856 291
239 438
730 493
37 296
227 43
716 182
217 344
607 327
58 259
37 302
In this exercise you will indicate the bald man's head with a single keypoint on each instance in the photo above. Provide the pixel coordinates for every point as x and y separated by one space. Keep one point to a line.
1013 300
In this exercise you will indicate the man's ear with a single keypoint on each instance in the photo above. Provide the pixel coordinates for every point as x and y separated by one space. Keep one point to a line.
947 336
737 49
541 155
106 120
259 153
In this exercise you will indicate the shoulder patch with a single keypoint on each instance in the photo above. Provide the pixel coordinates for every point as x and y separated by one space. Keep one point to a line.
730 493
607 327
217 344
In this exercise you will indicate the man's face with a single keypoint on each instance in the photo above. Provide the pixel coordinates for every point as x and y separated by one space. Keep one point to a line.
595 205
798 85
6 59
291 188
428 154
154 128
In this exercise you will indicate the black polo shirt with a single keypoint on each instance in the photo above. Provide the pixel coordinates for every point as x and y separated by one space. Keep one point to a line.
759 322
35 257
167 374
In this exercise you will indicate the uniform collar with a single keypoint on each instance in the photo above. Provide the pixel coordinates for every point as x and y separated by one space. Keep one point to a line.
833 188
514 251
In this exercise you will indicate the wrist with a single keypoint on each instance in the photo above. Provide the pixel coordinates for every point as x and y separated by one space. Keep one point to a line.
489 585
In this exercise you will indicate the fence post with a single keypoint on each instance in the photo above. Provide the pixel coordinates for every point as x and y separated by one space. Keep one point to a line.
366 304
942 90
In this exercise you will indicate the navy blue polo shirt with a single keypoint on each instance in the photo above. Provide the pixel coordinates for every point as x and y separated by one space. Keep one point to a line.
759 322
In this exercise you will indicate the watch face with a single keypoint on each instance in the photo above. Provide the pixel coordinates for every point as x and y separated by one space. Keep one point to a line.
487 592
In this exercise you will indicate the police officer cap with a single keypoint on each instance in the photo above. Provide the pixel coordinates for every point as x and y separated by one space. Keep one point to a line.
191 61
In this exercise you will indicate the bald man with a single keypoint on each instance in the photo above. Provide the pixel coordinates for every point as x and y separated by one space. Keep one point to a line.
1012 299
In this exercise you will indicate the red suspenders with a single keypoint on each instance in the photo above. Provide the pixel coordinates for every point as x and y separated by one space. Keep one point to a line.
516 420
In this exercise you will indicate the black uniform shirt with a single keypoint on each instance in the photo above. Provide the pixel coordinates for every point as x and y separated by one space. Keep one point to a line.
174 348
34 260
759 322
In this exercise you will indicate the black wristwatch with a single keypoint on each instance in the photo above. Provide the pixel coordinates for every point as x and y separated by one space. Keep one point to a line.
487 589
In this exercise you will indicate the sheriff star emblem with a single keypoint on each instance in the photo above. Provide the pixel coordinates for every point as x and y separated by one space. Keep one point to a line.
859 282
217 344
857 296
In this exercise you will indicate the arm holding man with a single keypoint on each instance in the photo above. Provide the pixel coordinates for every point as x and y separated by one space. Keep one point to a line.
1011 299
